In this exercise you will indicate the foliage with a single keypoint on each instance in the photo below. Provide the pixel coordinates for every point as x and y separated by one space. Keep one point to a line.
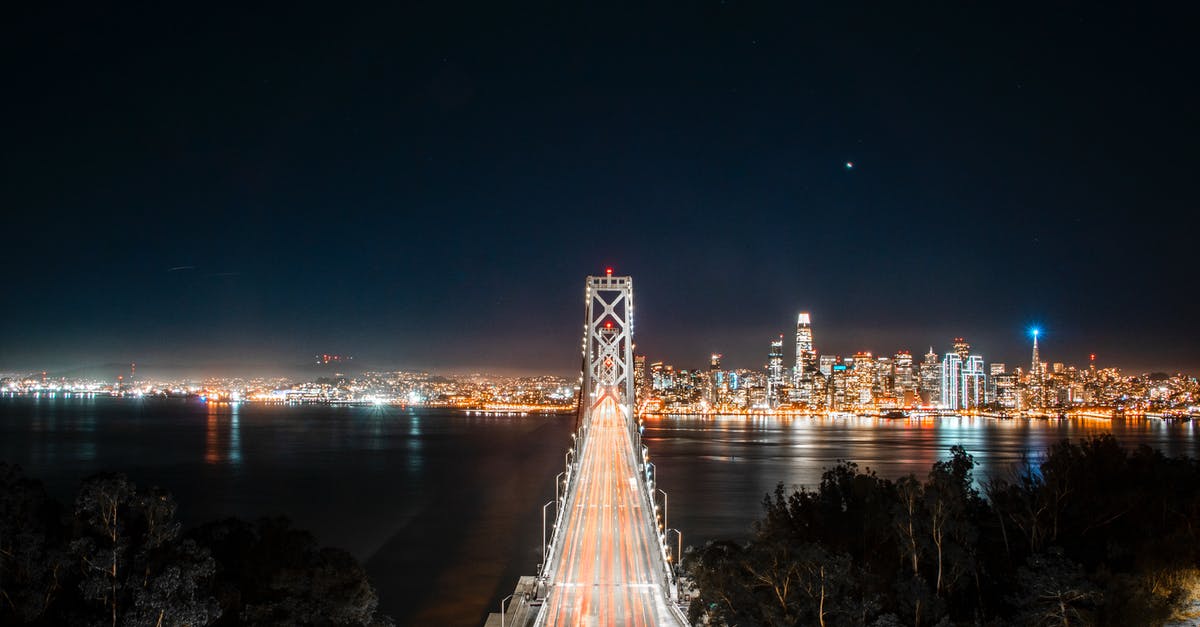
31 554
1089 534
119 557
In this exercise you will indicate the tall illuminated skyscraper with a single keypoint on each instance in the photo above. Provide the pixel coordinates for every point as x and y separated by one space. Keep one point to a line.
640 387
931 378
951 397
1036 393
905 383
716 379
962 348
806 357
974 383
863 379
1035 366
775 370
964 383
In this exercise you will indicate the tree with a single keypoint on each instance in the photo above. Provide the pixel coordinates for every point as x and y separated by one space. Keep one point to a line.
275 574
133 566
951 502
31 557
1054 592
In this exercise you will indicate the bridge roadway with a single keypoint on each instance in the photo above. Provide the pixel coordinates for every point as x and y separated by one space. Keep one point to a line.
608 567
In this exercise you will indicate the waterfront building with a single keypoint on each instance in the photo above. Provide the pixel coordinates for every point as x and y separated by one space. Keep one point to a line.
931 379
974 382
904 381
640 387
1004 390
806 358
962 348
827 363
716 384
862 391
964 384
883 382
839 387
951 384
1034 394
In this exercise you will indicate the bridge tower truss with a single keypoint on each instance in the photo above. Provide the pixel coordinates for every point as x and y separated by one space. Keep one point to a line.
608 340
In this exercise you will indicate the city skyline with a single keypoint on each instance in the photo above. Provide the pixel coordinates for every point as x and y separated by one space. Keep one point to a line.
742 357
422 186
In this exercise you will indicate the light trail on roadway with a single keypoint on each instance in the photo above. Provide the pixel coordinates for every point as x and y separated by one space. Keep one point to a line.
610 568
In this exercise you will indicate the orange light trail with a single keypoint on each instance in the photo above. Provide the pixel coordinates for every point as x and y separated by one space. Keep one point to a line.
609 569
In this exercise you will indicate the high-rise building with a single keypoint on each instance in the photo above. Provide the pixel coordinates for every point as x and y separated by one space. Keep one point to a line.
904 378
840 396
931 379
962 348
827 362
963 380
974 383
995 369
1004 389
716 384
905 382
658 376
806 356
883 385
1035 396
1035 365
951 381
775 370
640 388
863 379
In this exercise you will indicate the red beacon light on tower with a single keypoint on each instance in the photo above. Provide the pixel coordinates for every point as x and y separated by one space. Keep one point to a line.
608 271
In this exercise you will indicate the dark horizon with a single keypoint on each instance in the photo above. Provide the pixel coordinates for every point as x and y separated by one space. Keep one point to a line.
428 187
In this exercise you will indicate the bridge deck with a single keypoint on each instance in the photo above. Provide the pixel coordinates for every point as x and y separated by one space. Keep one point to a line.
608 567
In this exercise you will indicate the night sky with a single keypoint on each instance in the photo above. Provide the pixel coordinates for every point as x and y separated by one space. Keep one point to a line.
428 186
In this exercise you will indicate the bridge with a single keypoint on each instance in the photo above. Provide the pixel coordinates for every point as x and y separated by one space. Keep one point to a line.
606 560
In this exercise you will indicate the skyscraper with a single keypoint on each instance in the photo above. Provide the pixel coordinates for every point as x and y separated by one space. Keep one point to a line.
863 379
963 379
775 370
640 387
974 383
716 380
995 369
905 384
931 378
951 397
962 348
1035 365
1036 394
806 356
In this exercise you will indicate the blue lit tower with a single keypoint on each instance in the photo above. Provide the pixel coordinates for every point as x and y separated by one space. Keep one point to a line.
1035 366
1035 373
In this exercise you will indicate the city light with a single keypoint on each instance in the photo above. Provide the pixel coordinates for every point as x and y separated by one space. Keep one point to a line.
955 382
